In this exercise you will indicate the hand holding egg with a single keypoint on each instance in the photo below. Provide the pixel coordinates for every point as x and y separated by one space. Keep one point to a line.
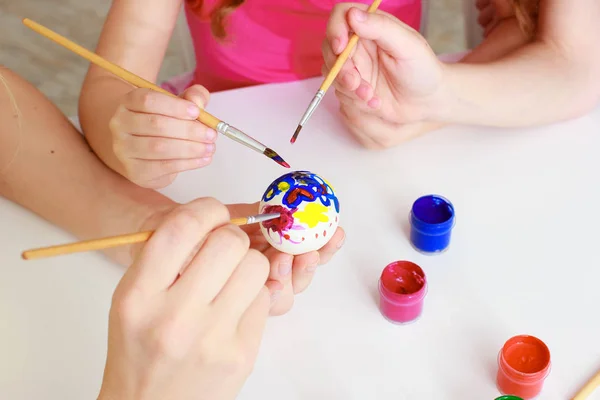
309 212
294 264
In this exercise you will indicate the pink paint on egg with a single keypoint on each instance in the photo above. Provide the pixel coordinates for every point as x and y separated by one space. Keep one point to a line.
308 208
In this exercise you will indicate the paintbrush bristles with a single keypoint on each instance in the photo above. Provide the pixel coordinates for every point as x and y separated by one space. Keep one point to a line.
296 133
275 157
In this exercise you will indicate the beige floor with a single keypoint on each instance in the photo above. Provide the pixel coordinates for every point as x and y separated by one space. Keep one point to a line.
58 73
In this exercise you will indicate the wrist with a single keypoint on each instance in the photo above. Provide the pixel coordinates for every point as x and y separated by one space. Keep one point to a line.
435 108
459 79
100 98
143 213
149 218
142 206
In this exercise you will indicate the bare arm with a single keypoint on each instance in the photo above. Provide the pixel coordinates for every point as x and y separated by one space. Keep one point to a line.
555 77
46 166
505 38
135 36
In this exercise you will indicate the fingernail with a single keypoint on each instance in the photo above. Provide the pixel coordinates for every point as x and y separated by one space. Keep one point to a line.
276 294
312 266
285 269
210 148
360 15
341 243
348 78
336 44
205 160
375 102
211 134
193 111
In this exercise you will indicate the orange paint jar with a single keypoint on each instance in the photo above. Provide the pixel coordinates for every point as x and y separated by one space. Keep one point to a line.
523 365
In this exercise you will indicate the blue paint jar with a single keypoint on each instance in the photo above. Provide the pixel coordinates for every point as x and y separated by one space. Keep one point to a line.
431 222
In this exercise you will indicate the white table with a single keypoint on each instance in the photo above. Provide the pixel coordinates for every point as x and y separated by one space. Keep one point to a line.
524 259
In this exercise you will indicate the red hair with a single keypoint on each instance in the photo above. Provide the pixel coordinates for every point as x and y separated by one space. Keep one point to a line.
527 12
218 15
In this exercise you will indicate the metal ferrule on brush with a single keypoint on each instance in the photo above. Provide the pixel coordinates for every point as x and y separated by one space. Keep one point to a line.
263 217
312 107
240 137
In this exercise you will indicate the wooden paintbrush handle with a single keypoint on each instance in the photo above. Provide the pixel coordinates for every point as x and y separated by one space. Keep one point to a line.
343 57
100 244
205 118
341 60
87 245
589 387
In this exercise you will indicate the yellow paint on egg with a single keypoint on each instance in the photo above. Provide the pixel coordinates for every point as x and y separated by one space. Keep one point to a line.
312 214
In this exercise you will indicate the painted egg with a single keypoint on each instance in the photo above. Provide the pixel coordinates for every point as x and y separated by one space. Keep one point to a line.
309 212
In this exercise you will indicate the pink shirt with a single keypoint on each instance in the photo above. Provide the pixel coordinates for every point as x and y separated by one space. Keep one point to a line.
271 40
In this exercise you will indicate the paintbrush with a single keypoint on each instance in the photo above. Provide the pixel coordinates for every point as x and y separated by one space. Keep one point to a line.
206 118
589 388
121 240
335 70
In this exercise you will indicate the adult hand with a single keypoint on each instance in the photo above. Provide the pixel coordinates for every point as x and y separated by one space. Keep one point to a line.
295 273
187 317
392 75
156 136
289 275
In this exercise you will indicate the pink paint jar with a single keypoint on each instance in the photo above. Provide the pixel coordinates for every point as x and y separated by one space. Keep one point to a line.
402 290
523 365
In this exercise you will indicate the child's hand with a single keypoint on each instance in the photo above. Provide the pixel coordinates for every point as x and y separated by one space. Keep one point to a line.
156 136
295 273
195 335
393 74
374 133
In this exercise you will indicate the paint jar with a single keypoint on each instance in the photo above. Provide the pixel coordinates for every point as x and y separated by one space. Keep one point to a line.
402 290
508 398
523 365
431 222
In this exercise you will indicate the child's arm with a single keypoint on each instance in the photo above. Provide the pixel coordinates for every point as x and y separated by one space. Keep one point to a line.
46 166
135 36
503 39
555 77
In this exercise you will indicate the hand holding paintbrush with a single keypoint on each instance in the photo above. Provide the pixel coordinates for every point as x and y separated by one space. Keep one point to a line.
335 70
204 117
121 240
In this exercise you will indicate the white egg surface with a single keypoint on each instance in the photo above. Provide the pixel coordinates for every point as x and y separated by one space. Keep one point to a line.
309 212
